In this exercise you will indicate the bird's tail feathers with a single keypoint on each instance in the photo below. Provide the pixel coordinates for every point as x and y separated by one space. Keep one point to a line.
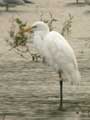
76 77
73 77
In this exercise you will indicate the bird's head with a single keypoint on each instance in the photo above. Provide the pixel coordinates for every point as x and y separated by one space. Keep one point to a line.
38 27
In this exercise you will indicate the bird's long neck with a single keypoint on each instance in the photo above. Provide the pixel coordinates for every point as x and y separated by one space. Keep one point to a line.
42 33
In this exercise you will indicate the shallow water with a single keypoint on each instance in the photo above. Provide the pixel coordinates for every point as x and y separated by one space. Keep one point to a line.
30 90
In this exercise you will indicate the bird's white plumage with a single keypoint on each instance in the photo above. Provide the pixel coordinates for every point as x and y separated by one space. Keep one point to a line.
57 51
60 55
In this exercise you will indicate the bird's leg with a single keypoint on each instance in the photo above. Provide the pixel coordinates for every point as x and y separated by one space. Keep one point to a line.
77 1
7 7
61 92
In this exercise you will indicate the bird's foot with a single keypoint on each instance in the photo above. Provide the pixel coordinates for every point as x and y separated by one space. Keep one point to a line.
61 108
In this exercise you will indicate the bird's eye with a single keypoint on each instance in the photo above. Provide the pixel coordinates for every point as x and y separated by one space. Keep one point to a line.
33 27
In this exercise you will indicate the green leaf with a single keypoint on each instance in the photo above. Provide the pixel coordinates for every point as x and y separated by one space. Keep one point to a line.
18 21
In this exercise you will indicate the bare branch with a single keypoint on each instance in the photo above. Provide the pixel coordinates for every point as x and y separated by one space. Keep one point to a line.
49 21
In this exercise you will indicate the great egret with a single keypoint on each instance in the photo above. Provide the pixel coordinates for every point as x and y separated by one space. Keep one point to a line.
13 3
28 1
57 53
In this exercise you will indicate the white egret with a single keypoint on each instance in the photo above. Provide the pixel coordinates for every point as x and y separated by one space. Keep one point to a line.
57 53
13 3
28 1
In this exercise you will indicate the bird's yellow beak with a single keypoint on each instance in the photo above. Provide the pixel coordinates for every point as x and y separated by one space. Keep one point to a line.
25 30
29 29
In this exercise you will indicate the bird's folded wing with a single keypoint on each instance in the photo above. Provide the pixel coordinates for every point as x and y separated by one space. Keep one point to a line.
60 55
